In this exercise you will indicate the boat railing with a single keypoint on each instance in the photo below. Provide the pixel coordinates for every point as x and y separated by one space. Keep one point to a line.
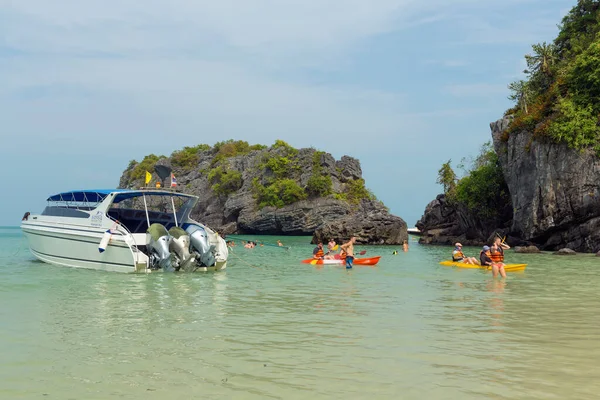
129 240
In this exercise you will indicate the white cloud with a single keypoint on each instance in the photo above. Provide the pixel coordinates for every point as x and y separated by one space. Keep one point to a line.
265 24
97 80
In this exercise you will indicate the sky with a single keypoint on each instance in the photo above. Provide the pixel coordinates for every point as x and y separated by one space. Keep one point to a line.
402 85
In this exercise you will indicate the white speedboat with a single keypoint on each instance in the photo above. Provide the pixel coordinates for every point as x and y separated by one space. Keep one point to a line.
124 230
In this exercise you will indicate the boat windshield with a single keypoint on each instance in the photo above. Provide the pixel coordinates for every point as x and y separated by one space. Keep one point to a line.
161 208
74 204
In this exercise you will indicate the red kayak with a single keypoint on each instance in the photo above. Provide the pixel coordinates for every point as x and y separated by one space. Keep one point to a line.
357 261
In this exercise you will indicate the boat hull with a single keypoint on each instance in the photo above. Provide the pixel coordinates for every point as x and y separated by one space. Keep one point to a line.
507 267
357 261
77 247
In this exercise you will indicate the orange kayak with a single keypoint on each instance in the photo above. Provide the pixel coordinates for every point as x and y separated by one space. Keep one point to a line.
357 261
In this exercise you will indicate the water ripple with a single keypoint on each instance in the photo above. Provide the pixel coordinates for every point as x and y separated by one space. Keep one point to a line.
270 327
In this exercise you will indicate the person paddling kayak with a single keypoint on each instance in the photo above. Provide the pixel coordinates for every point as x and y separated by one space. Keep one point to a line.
459 256
318 252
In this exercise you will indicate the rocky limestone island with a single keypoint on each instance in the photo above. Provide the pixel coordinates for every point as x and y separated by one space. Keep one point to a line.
539 183
554 198
276 190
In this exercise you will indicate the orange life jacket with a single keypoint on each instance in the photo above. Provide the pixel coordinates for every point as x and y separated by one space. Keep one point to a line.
498 255
342 254
319 253
487 253
459 255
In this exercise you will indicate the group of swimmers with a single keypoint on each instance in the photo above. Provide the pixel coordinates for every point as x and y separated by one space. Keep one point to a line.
492 256
346 251
250 244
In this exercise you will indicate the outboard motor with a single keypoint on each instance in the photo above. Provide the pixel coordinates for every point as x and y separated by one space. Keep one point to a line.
199 240
180 246
158 240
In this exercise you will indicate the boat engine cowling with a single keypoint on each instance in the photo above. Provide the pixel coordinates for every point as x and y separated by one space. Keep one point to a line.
158 241
180 247
200 244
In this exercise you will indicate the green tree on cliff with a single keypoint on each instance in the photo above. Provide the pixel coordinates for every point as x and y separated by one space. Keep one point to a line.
560 99
483 190
447 177
520 94
543 57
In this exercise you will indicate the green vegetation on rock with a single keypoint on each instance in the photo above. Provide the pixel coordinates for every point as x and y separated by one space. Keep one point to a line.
482 190
281 169
188 157
279 193
356 191
147 164
560 99
319 184
281 166
280 144
447 177
224 180
232 148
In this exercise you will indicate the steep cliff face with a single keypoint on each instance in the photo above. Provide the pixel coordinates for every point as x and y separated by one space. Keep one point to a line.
371 224
239 209
555 190
446 223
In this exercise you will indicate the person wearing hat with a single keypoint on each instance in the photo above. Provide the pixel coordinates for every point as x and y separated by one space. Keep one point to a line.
486 259
459 256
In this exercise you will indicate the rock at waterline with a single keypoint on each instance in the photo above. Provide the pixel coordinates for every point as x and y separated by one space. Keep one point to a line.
527 249
565 252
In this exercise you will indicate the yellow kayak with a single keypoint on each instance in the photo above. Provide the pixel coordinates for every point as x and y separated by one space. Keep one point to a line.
507 267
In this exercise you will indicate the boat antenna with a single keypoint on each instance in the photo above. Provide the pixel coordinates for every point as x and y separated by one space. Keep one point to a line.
174 212
146 208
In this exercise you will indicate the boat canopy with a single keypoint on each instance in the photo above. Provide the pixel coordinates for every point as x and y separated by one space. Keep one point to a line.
98 195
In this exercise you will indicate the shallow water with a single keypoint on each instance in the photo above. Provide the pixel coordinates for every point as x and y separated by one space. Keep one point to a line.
270 327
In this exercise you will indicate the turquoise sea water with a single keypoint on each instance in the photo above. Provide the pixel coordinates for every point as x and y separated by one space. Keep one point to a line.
271 328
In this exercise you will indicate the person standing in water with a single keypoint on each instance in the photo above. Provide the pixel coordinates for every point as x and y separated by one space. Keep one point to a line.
348 249
405 246
486 259
497 250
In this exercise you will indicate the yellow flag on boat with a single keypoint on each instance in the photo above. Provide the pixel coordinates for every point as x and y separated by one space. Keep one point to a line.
148 177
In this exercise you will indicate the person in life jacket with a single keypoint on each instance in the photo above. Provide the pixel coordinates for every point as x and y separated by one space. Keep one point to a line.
459 256
318 252
497 250
487 259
